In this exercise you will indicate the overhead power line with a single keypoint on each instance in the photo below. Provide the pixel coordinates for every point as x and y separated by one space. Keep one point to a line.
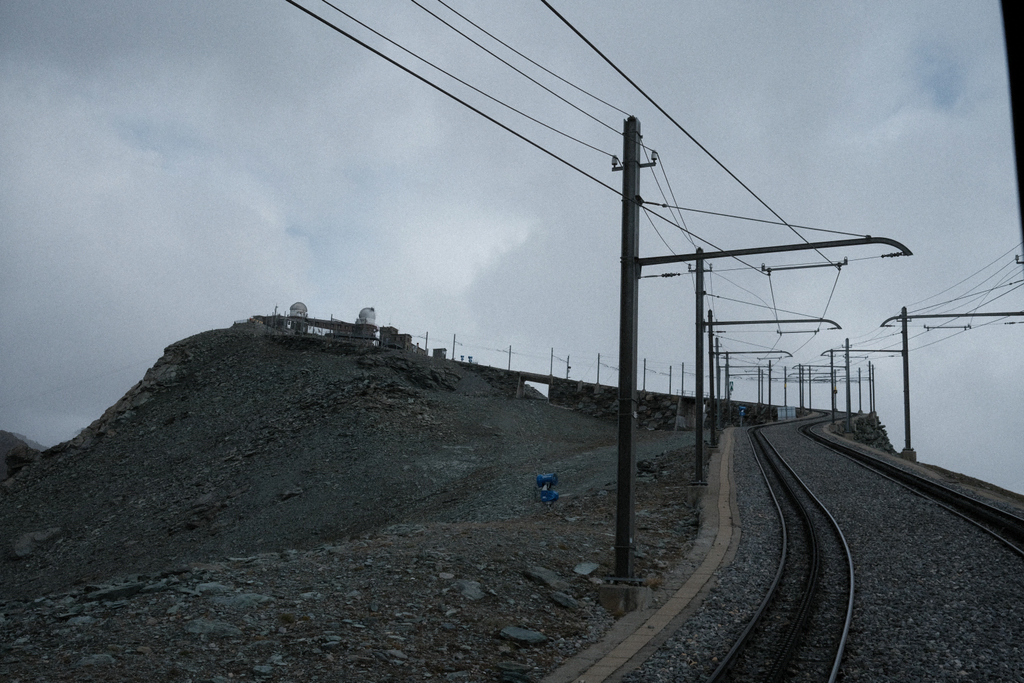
674 122
536 64
468 85
517 70
441 90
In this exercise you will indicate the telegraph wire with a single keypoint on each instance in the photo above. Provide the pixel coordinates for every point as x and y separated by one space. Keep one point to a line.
763 220
975 309
658 232
536 64
674 122
459 80
771 287
441 90
763 305
664 173
774 308
968 296
517 70
1003 255
989 291
671 251
971 293
698 237
835 283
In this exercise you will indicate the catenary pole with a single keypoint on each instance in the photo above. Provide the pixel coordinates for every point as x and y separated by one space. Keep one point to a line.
625 522
712 403
906 381
832 379
848 425
698 395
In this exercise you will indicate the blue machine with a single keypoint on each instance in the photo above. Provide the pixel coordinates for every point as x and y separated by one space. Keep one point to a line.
546 482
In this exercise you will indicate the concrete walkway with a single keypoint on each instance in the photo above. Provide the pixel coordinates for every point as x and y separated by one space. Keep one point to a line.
636 636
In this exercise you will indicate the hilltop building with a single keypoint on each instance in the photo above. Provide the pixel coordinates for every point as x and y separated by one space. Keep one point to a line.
297 321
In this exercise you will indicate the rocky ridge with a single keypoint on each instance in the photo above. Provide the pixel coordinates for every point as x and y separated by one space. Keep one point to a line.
271 507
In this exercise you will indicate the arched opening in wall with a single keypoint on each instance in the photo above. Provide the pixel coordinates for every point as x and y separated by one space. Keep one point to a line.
535 390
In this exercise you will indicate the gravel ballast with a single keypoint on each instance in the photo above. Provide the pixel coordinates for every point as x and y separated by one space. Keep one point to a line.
935 599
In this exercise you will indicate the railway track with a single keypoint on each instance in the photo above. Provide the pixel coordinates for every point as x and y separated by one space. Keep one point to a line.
1004 526
939 596
799 631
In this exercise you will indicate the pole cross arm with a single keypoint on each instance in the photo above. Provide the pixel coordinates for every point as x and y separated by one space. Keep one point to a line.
758 353
824 353
779 322
953 316
806 246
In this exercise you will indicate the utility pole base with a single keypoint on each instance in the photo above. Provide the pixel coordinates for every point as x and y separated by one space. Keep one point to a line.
621 599
695 493
909 454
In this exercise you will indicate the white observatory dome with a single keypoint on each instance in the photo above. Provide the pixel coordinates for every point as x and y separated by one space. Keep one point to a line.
298 310
367 316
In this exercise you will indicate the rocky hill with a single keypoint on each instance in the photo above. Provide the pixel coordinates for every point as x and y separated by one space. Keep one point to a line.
237 443
267 506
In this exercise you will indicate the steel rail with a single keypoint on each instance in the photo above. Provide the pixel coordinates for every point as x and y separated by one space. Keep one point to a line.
837 661
732 656
1007 528
787 644
803 613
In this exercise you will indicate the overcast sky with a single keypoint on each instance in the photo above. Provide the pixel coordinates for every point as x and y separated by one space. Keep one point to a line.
169 168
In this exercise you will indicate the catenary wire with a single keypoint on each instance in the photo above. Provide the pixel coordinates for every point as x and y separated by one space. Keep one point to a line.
664 172
968 296
450 95
517 70
1003 255
760 220
674 122
539 66
468 85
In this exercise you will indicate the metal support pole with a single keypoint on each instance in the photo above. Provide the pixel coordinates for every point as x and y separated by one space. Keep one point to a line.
849 427
510 357
759 393
860 395
644 383
810 384
718 384
670 380
832 379
800 381
625 522
712 403
698 400
770 392
785 385
567 366
906 380
728 391
871 388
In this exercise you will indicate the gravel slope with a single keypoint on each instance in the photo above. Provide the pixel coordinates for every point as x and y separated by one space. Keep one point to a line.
279 508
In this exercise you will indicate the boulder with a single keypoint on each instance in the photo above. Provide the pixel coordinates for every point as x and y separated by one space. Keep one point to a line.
30 542
523 635
545 577
20 457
